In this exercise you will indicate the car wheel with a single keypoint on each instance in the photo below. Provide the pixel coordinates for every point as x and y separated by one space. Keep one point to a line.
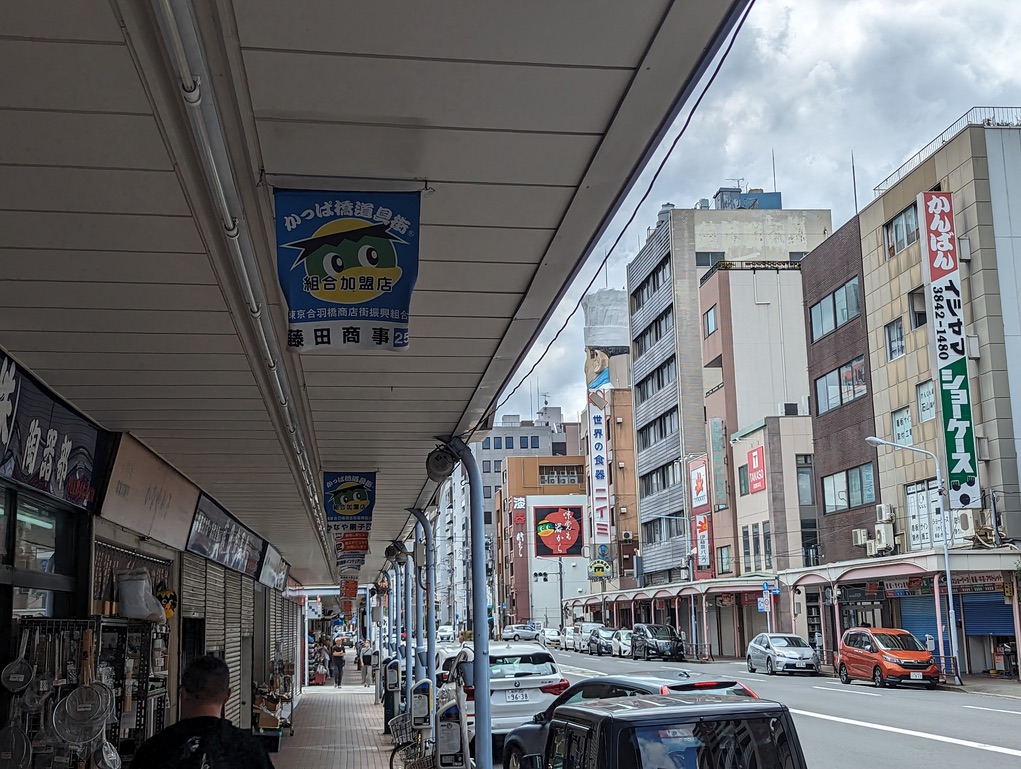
512 757
877 677
647 657
751 668
930 685
634 653
769 666
517 637
844 677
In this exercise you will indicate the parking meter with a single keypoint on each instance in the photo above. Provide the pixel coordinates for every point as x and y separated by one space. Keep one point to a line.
422 705
393 676
449 750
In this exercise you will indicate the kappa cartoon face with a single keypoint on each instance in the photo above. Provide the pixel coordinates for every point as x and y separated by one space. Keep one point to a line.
348 261
350 498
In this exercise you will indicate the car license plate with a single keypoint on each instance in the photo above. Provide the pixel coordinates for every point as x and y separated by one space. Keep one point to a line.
916 676
800 663
515 696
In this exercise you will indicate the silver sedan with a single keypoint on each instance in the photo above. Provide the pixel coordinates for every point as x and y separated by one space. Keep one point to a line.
520 633
782 653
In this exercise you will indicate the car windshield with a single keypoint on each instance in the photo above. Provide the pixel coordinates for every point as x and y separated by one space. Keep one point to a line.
898 642
626 635
521 666
606 632
782 641
553 633
739 743
661 631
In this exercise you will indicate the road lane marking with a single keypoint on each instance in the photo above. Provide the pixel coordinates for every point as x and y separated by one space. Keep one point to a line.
912 733
846 691
571 669
992 710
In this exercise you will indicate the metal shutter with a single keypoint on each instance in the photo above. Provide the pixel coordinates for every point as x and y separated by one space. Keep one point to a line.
214 606
918 617
232 642
193 586
987 614
274 624
247 607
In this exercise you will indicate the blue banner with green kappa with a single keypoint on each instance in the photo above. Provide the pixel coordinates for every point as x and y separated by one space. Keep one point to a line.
350 498
347 263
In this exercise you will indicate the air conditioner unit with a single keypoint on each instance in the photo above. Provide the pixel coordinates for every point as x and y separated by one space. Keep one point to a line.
627 536
966 520
859 537
884 537
884 514
787 409
870 548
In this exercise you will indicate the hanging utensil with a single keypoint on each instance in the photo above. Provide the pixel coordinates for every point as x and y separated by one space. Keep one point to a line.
38 692
87 704
18 673
106 756
15 746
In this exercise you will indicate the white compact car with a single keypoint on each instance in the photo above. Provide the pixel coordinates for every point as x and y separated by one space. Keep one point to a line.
445 633
568 641
524 680
550 637
621 643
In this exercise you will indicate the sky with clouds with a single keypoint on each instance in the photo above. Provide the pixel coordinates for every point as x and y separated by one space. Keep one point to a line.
811 81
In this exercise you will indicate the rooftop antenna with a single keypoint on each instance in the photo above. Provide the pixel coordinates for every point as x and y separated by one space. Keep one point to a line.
854 183
772 155
740 182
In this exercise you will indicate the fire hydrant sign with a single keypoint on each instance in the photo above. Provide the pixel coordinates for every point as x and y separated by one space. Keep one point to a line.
347 263
940 262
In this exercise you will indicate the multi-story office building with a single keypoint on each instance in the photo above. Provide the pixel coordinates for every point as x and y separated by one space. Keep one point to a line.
670 381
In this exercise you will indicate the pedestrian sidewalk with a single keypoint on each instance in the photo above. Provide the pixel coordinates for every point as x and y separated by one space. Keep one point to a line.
1003 687
336 729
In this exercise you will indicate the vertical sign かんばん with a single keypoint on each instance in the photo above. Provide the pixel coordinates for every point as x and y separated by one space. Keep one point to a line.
350 498
347 263
599 494
698 492
941 268
757 470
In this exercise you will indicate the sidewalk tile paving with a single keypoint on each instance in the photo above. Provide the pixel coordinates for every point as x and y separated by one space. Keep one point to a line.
336 729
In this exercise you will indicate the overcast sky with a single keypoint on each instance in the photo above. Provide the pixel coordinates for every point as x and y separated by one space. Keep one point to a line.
814 82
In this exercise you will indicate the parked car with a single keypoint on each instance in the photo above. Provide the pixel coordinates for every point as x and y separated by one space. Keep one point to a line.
782 653
531 737
680 731
550 637
569 641
445 633
621 644
600 642
648 641
887 656
524 680
582 632
520 633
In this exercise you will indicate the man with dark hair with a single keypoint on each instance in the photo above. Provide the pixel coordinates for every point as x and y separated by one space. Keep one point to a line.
202 739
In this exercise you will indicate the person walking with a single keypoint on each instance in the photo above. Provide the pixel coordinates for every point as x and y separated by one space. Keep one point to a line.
202 738
366 657
339 660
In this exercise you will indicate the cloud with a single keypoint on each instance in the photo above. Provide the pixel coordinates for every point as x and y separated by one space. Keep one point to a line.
808 83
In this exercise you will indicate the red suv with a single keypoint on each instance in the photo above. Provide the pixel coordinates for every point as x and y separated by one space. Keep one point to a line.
887 656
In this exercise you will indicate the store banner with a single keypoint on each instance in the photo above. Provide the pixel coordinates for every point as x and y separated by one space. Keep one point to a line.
757 470
599 493
558 531
273 573
220 537
348 263
700 508
45 444
948 339
350 499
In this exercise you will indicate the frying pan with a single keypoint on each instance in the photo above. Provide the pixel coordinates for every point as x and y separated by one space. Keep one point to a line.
15 746
17 676
88 705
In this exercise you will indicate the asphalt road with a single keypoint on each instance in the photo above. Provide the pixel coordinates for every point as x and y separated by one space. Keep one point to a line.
856 726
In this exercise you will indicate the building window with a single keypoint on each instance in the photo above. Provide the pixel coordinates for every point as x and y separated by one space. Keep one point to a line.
708 258
895 340
657 278
498 465
660 428
658 480
841 386
901 231
747 547
806 480
926 395
827 392
651 531
508 443
660 327
485 443
902 426
487 492
756 546
487 466
742 480
523 441
916 308
497 443
723 564
834 310
767 545
796 256
535 441
709 322
850 488
665 374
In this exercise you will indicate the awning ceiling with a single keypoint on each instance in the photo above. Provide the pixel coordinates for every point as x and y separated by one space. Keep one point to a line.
529 121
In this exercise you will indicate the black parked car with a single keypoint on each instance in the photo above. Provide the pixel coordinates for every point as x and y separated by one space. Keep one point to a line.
648 641
601 641
530 738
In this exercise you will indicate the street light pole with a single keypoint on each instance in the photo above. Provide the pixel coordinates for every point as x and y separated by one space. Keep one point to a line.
945 521
560 580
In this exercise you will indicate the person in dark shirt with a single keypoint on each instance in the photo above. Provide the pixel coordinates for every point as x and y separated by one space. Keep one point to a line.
202 738
339 661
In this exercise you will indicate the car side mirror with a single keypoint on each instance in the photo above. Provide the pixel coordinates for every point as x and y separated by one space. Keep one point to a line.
532 761
539 718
